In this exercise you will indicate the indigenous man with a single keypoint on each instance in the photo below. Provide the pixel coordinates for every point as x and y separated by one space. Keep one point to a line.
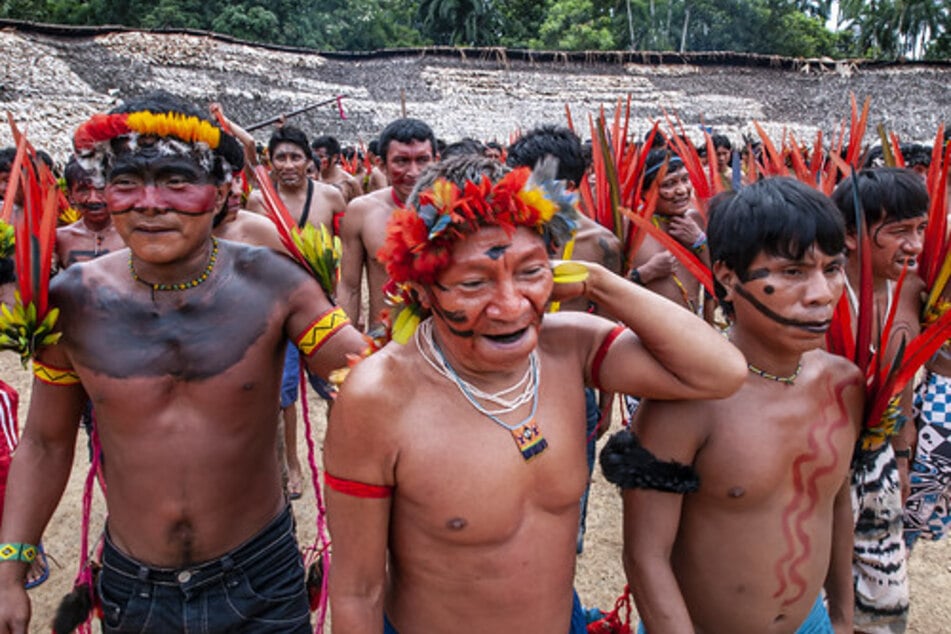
654 266
407 147
308 201
178 342
93 234
375 179
327 154
733 522
239 225
894 204
437 519
592 243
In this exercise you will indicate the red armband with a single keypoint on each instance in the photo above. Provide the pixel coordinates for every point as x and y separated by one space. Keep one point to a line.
357 489
603 352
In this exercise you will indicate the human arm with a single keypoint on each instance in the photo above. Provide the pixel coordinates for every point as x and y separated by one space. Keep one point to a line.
256 203
358 448
651 518
37 478
838 583
321 331
351 260
243 136
670 353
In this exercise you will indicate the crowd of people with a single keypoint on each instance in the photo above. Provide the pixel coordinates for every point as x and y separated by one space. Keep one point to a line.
487 309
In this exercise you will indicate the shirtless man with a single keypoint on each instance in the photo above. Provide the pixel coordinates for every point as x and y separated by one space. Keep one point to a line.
93 234
407 147
437 519
239 225
326 151
654 266
733 521
895 204
376 179
308 201
178 342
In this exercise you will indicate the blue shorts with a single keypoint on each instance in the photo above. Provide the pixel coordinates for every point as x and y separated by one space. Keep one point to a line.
817 622
290 380
579 621
257 587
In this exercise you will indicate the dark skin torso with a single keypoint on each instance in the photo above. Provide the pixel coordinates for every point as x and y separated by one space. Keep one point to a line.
157 372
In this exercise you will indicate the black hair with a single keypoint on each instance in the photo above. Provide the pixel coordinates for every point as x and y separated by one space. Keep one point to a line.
329 143
406 131
7 155
160 101
494 145
7 271
884 193
462 147
74 173
916 154
373 147
550 140
721 140
292 135
658 142
655 159
778 216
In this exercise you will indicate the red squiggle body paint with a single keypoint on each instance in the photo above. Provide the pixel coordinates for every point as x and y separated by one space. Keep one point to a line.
805 498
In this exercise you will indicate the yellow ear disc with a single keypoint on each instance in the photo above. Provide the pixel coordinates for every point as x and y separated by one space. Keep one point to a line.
570 273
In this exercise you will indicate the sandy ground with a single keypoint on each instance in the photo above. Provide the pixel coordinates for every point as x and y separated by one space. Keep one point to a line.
600 578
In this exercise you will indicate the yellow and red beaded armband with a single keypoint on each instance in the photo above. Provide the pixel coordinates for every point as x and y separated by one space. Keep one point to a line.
322 329
54 376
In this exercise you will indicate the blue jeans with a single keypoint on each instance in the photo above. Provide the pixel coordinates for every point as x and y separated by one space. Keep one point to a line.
578 625
257 587
290 379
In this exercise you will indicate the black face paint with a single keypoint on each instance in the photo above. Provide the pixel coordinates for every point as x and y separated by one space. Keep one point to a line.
779 319
768 289
117 335
497 251
755 274
452 317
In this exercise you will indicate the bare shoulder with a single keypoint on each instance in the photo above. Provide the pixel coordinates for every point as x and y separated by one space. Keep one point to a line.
379 387
263 265
362 210
597 244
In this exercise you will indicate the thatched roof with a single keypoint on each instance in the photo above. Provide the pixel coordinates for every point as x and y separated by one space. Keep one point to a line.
54 77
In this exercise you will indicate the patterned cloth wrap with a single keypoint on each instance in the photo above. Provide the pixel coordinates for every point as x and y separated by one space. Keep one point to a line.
928 508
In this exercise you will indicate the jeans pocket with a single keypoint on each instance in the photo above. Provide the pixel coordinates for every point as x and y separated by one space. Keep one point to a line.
273 594
126 603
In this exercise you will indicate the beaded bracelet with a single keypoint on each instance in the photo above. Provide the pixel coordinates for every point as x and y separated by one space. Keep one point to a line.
18 552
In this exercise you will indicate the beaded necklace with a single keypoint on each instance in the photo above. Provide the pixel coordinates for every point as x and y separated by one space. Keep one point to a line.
527 435
788 380
180 286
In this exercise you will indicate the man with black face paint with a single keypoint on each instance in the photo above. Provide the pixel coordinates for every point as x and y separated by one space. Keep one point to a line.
894 204
94 234
178 341
734 521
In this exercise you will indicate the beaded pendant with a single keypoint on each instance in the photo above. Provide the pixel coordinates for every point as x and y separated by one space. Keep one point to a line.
529 439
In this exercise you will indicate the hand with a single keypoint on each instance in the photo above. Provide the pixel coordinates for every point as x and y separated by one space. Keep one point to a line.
577 274
684 229
659 266
214 108
14 609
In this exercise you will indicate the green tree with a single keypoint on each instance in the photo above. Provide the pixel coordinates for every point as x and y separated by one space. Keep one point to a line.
469 22
577 25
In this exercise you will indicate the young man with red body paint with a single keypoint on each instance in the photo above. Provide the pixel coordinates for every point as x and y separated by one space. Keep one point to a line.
441 520
737 511
407 147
